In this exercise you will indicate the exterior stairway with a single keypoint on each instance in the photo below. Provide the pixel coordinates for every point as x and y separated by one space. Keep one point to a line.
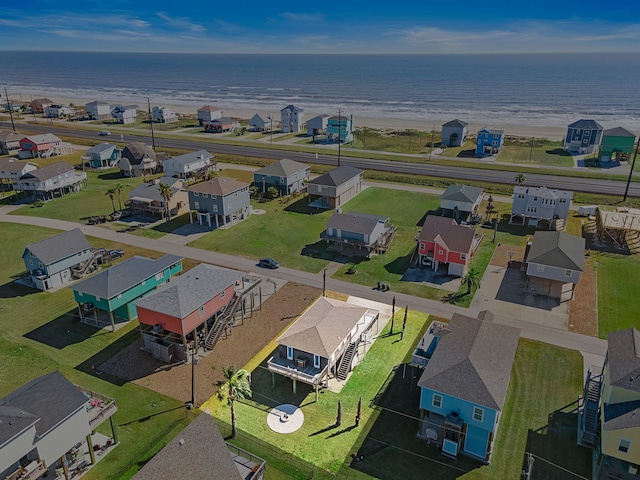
558 224
345 363
589 415
224 320
87 267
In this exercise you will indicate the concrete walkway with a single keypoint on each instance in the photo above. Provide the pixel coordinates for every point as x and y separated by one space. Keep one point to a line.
542 333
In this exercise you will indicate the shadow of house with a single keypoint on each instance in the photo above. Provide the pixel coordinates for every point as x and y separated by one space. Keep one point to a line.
513 289
555 450
319 250
302 206
112 175
14 290
399 265
270 390
62 331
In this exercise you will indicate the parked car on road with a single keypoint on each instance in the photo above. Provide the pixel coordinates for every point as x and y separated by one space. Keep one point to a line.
268 263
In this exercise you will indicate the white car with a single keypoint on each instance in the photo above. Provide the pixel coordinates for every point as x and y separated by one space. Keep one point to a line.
105 133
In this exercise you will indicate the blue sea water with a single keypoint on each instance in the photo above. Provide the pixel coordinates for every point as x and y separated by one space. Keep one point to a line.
527 89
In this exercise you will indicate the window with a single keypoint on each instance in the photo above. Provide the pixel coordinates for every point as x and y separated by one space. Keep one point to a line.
119 296
222 294
568 273
440 252
195 194
316 361
196 205
478 414
540 268
204 195
521 195
201 310
437 400
159 276
535 199
624 445
143 282
281 179
214 197
463 256
215 208
290 353
563 200
586 133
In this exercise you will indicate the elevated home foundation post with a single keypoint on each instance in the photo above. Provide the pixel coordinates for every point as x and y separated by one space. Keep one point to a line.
273 379
91 452
316 392
80 311
294 386
114 432
113 322
65 468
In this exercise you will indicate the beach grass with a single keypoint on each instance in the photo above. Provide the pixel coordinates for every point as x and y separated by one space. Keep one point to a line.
394 141
535 151
40 333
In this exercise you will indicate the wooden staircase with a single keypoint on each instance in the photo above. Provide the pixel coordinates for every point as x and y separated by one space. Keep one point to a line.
558 224
223 322
345 363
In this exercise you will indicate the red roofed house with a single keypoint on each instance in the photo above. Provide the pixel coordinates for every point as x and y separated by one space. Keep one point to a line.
442 240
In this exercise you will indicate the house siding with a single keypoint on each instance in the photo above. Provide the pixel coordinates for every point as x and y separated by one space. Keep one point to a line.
288 185
552 273
611 440
15 449
488 143
582 140
447 132
61 438
612 145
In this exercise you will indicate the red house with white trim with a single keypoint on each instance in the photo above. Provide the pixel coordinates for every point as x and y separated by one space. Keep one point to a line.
186 308
443 241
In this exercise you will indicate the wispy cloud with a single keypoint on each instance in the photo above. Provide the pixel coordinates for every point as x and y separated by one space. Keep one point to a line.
302 17
181 22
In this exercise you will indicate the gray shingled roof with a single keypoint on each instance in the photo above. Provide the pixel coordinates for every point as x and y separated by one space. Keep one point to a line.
223 121
98 102
587 124
60 246
461 193
10 136
293 108
621 415
557 249
337 176
198 452
282 168
191 157
355 222
491 130
50 397
322 328
455 123
624 359
14 420
218 186
456 237
101 148
618 132
135 152
50 171
118 279
43 138
542 192
10 164
190 291
151 191
473 361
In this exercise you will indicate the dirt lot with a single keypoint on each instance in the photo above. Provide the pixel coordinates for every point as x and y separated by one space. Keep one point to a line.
245 341
583 316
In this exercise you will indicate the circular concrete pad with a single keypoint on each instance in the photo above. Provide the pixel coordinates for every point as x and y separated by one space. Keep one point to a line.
258 211
285 418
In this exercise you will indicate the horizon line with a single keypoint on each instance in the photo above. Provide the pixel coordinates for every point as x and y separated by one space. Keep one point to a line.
568 52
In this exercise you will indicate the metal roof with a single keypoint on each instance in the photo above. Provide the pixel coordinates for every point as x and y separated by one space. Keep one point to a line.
191 157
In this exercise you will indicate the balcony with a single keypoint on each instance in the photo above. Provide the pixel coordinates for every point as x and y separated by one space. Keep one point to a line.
249 466
99 407
290 368
423 352
30 471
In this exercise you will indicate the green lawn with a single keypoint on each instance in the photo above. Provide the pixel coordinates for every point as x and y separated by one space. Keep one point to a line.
40 333
537 151
395 141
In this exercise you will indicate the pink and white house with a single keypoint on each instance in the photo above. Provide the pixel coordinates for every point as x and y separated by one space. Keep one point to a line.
443 241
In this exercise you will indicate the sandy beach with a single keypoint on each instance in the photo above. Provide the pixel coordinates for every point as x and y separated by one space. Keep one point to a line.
510 129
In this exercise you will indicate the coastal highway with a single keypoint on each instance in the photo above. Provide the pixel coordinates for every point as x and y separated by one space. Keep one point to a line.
588 185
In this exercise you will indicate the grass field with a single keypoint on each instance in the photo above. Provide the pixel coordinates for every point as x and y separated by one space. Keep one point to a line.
40 333
396 141
535 151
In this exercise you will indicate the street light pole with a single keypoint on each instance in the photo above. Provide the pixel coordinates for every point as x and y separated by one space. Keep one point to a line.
633 164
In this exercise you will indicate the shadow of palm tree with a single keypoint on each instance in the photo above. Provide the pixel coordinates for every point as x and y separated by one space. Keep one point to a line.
452 298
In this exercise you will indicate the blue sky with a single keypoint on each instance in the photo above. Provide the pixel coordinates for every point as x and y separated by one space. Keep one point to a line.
351 26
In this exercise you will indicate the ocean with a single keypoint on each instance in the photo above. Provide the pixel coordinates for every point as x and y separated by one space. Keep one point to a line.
527 89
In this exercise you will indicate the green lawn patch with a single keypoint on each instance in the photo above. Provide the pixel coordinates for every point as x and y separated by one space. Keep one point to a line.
395 141
535 151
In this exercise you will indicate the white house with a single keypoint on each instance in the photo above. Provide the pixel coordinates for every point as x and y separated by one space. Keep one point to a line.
188 165
58 111
125 113
259 124
291 119
318 125
540 206
461 199
208 113
163 115
98 110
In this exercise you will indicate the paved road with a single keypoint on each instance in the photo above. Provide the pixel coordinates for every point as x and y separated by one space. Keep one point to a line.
609 187
536 332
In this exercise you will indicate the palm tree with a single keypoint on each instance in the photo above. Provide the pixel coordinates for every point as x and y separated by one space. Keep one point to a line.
119 188
111 193
166 193
520 178
471 279
235 386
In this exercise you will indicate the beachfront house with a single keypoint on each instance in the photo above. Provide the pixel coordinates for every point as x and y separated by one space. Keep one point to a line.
47 183
464 384
617 145
146 198
583 137
114 290
103 155
220 125
609 420
460 201
540 207
288 176
50 262
58 111
42 146
46 423
11 170
340 128
327 341
317 125
489 142
219 202
125 114
362 232
554 262
335 188
39 104
208 113
454 133
189 165
163 115
98 110
444 243
9 141
291 119
259 124
190 306
199 449
137 159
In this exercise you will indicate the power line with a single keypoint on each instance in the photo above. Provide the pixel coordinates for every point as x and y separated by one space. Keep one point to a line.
577 475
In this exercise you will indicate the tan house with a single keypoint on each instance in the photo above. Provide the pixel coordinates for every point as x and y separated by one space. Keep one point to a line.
147 199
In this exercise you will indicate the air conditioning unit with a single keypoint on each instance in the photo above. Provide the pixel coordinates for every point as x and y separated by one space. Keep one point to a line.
301 362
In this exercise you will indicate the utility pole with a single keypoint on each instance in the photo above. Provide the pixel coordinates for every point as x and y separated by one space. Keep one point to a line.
153 138
531 150
633 164
339 129
271 130
193 370
433 129
6 96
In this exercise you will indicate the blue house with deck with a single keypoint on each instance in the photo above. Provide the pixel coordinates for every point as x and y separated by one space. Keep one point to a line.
467 366
489 142
583 137
288 176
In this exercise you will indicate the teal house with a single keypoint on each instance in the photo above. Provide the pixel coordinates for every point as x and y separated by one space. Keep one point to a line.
467 367
104 155
340 128
114 290
617 145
